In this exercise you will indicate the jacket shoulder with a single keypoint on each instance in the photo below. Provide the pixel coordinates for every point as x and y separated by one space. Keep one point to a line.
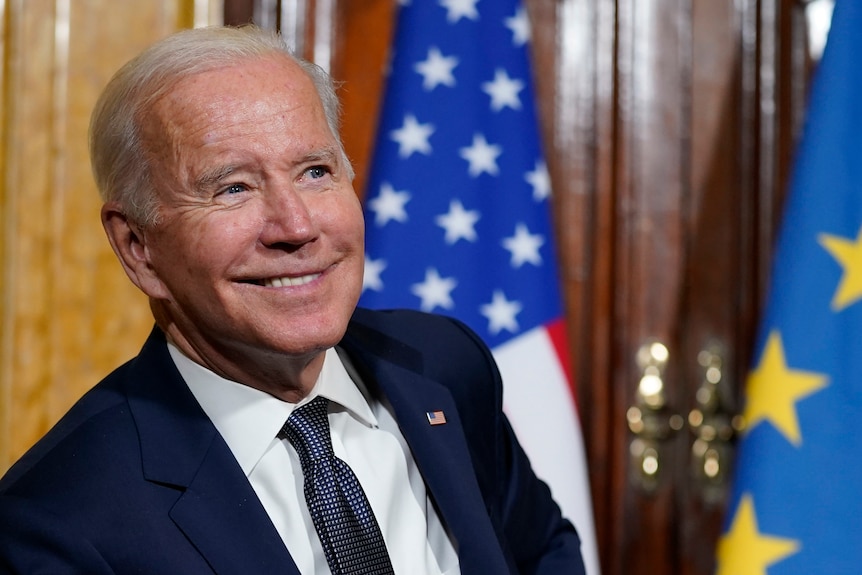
429 333
442 348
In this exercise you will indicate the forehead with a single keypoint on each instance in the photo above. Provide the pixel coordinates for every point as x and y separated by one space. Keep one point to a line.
270 71
263 93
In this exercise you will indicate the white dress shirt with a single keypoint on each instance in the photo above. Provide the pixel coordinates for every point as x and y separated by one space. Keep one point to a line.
364 434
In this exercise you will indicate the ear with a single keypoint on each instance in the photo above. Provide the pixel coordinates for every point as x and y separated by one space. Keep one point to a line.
129 243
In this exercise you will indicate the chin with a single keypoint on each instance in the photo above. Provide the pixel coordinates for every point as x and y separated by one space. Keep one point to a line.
310 337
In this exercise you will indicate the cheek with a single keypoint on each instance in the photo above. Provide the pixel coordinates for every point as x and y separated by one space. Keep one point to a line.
225 233
346 222
206 247
356 231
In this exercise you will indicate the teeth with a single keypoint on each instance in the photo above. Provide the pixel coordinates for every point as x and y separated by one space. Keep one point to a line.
288 281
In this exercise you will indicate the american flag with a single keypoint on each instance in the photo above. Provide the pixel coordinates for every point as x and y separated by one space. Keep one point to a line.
436 417
458 217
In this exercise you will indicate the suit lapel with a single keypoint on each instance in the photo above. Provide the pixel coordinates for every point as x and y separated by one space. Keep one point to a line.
218 510
216 507
440 451
220 513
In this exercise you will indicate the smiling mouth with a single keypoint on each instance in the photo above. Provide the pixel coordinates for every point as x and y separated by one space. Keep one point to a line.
287 281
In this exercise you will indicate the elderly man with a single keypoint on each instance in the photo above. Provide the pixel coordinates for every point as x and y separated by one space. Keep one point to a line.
267 425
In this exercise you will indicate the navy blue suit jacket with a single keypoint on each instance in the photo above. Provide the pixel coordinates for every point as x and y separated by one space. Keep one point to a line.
136 479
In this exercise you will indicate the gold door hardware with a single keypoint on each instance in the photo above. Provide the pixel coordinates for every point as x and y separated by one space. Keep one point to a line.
714 427
650 420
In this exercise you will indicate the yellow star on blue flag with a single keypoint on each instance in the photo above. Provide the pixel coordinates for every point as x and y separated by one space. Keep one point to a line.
848 253
798 462
773 390
744 550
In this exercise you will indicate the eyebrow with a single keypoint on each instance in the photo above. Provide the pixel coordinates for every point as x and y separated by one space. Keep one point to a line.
212 177
328 154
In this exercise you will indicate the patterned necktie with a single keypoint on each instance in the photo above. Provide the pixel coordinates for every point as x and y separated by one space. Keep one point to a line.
343 518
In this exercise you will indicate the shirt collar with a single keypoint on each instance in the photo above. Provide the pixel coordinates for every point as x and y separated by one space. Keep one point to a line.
339 382
249 419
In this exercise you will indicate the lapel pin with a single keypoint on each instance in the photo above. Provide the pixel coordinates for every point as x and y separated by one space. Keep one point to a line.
436 417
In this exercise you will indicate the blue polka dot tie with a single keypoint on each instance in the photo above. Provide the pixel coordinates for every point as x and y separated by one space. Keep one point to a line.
342 516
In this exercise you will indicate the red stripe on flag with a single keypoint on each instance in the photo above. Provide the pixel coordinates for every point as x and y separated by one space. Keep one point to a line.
557 332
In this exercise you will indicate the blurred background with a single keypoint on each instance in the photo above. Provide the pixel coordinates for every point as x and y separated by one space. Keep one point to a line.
669 128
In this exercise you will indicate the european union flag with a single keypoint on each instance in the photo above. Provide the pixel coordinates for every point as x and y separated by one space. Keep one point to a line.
796 506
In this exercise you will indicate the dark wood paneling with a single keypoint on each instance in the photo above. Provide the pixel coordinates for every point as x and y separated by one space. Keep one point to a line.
652 194
573 54
366 28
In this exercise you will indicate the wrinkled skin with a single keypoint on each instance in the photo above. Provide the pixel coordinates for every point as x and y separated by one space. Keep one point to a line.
253 188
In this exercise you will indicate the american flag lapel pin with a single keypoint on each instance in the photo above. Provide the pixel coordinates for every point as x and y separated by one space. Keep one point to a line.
436 417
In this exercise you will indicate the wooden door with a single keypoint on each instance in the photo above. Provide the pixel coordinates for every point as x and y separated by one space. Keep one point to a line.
673 123
670 126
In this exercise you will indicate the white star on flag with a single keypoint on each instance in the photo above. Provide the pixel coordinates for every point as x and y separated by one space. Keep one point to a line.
458 223
371 278
389 205
503 91
519 24
540 180
481 156
524 247
434 291
413 137
458 9
501 313
436 69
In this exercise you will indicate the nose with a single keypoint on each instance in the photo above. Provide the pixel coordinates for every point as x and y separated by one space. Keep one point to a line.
288 219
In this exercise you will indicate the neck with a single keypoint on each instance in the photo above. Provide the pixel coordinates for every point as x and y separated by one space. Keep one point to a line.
289 378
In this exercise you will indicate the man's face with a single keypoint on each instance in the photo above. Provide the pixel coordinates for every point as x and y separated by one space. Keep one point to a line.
259 244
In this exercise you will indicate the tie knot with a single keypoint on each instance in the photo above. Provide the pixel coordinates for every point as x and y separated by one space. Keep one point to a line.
307 428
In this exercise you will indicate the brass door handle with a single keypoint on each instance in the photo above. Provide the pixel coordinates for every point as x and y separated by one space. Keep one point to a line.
714 427
650 419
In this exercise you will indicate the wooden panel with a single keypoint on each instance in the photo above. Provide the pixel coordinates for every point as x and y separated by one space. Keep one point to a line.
660 125
574 62
69 313
367 24
652 199
714 247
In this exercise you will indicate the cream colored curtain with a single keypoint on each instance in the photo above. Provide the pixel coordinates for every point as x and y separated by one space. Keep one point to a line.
68 314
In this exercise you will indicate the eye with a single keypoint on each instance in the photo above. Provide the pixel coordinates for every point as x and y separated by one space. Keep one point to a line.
317 172
235 189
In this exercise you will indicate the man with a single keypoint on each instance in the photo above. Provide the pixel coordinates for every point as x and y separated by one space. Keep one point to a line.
228 201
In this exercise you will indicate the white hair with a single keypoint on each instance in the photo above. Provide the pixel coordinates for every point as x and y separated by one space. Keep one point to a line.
117 157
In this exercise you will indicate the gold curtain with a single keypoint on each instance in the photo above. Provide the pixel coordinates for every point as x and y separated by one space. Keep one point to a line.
68 314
